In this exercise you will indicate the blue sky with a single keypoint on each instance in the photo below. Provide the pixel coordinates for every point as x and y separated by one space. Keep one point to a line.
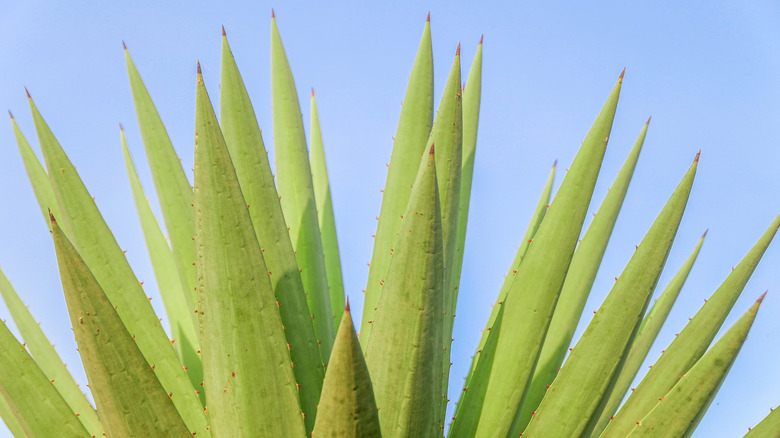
705 71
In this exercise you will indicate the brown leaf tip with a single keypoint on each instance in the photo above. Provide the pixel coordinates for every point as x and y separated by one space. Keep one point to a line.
761 298
11 114
346 307
555 164
223 30
431 151
648 120
121 128
200 73
428 18
622 73
124 46
312 91
696 158
457 51
273 14
705 233
28 93
51 217
481 38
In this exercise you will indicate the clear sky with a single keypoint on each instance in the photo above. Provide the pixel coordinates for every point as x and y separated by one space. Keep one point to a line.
707 72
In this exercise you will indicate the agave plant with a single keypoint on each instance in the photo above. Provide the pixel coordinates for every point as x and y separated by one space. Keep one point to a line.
261 341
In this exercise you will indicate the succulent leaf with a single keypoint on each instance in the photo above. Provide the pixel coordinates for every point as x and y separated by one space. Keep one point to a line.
247 151
247 372
404 353
691 343
347 408
679 411
294 182
414 127
574 400
131 400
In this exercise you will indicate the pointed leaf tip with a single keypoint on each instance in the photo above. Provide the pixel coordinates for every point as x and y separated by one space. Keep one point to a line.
555 164
457 51
428 18
622 73
28 93
346 307
223 30
124 46
121 128
705 233
273 14
761 298
696 158
312 91
200 73
648 120
11 114
51 217
431 151
481 38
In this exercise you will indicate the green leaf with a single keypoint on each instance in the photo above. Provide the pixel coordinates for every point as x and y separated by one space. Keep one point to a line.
404 354
679 411
131 400
94 241
690 344
247 371
13 424
447 135
347 408
294 182
646 335
576 288
47 358
533 226
37 406
247 151
414 127
37 175
532 297
173 189
573 401
768 427
183 322
327 221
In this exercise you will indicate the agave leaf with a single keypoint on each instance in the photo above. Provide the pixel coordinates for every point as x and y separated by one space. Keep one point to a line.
477 381
573 401
679 412
247 371
37 406
576 288
94 241
10 420
131 400
294 182
690 344
646 335
532 297
347 408
247 151
47 358
472 94
533 226
39 179
404 354
768 427
414 127
173 190
447 134
183 322
327 222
